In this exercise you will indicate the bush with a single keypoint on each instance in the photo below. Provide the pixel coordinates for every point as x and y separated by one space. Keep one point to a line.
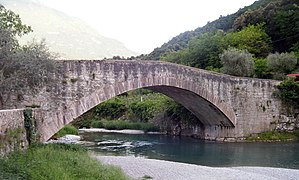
56 161
261 69
237 62
96 124
112 109
288 91
67 129
281 64
120 125
144 110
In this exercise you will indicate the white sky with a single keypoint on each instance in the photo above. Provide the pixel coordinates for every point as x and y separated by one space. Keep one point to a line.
143 25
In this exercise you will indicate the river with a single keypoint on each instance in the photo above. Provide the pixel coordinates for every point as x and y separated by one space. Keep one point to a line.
195 151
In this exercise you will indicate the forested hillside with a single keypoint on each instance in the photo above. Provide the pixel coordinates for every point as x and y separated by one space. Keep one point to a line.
280 20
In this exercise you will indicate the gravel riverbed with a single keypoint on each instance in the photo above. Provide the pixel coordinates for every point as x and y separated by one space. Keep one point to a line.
138 167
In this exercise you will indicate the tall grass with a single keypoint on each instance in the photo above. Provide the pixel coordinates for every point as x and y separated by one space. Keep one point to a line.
56 161
120 124
275 136
67 129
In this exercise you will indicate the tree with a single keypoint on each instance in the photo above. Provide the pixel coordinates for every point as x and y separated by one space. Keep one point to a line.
260 68
237 62
179 57
23 69
281 19
12 22
143 110
204 50
112 109
281 64
254 39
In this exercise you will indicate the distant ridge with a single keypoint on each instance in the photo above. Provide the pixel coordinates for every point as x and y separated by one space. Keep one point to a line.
71 37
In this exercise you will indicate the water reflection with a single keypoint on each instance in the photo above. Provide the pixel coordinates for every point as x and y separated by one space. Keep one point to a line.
195 151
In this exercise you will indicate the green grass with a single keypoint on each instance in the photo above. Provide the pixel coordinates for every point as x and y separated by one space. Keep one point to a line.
67 129
119 125
56 161
275 136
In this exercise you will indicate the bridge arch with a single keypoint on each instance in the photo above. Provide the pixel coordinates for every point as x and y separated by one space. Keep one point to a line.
97 81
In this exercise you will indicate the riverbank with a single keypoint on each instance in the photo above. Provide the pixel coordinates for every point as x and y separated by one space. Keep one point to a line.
56 161
139 168
124 131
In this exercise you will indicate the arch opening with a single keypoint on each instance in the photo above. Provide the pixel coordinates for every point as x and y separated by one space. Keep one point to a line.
206 112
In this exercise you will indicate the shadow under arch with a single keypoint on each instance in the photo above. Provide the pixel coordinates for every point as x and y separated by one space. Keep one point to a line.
207 112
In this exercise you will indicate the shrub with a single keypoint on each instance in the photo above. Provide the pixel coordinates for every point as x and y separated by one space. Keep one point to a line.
237 62
112 109
120 125
261 69
144 110
283 63
67 129
288 91
96 124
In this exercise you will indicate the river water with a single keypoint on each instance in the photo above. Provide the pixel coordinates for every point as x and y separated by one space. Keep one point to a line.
194 151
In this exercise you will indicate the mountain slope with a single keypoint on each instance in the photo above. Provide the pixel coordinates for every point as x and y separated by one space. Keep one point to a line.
70 37
181 41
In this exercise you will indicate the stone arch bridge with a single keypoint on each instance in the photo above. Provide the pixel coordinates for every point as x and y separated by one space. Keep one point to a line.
227 106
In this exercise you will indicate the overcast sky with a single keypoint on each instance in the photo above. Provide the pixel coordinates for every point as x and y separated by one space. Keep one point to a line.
143 25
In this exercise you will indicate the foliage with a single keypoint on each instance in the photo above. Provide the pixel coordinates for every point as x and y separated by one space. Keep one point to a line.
288 91
204 51
281 20
120 125
143 110
56 161
237 62
261 68
179 113
252 38
23 69
224 23
12 22
275 136
67 129
179 57
112 109
30 126
283 63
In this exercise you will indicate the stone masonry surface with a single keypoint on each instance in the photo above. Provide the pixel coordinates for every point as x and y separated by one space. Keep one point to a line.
227 106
